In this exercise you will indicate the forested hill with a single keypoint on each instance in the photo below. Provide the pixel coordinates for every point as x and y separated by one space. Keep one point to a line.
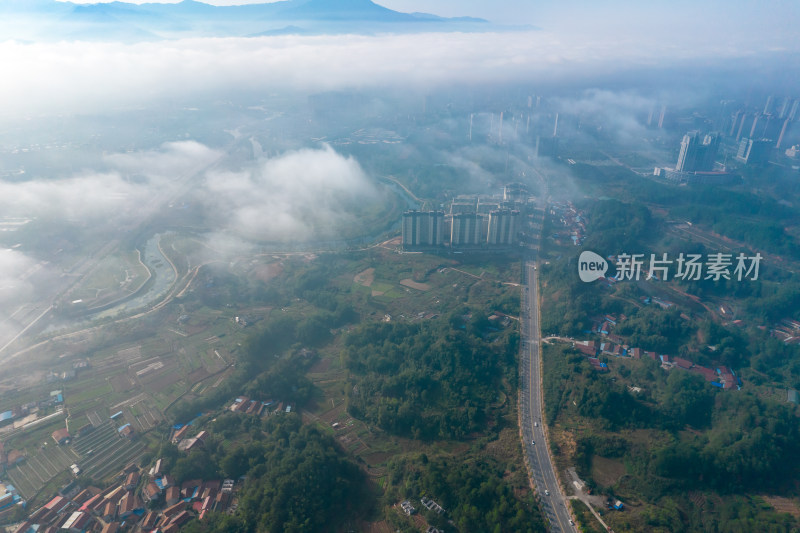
430 380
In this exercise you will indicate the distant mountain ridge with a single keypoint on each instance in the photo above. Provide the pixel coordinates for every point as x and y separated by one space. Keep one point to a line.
121 21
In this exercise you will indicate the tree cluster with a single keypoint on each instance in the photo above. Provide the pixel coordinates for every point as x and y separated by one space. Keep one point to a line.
425 380
297 480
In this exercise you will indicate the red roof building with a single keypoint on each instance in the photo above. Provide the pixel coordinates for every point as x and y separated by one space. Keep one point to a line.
173 510
149 521
131 481
82 497
707 373
181 518
151 492
61 436
90 504
115 495
110 528
615 338
57 504
181 433
173 495
109 511
587 348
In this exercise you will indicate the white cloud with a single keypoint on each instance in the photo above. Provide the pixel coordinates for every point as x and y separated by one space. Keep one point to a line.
84 197
300 195
171 160
14 267
79 75
125 191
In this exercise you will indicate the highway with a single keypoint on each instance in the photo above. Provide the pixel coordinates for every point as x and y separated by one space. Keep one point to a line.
537 453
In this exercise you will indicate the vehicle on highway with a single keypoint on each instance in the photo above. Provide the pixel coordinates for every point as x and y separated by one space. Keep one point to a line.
536 424
532 443
546 492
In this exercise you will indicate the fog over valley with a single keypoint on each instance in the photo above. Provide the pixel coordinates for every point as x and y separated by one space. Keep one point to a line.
319 265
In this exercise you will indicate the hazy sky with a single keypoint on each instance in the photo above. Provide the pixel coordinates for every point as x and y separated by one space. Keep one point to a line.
713 16
504 11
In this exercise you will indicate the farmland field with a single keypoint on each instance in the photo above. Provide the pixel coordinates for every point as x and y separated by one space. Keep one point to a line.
33 473
103 452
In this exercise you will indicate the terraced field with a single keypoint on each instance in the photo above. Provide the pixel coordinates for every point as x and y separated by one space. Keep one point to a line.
103 452
33 473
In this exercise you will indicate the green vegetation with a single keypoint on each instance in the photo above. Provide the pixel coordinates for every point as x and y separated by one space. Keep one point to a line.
429 380
297 480
617 227
587 522
472 492
422 383
755 219
676 435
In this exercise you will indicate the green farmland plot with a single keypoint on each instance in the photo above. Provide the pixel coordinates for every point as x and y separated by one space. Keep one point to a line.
34 472
103 452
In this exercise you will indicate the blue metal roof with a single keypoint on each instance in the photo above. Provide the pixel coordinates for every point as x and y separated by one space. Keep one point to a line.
8 415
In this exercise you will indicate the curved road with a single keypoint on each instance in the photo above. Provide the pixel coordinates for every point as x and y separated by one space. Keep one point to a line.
537 453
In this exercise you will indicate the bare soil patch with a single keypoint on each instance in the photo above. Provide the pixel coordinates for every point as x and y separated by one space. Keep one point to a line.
606 471
122 383
320 366
784 505
268 272
365 278
197 375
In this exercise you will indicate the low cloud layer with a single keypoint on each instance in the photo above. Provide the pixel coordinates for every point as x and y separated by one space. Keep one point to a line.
14 270
131 183
308 194
80 76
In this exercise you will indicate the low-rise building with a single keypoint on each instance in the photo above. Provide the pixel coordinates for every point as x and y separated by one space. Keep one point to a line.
180 434
151 492
407 507
78 522
131 480
61 436
173 495
111 527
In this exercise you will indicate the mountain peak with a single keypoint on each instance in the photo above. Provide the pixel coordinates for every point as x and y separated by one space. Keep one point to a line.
345 9
55 20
